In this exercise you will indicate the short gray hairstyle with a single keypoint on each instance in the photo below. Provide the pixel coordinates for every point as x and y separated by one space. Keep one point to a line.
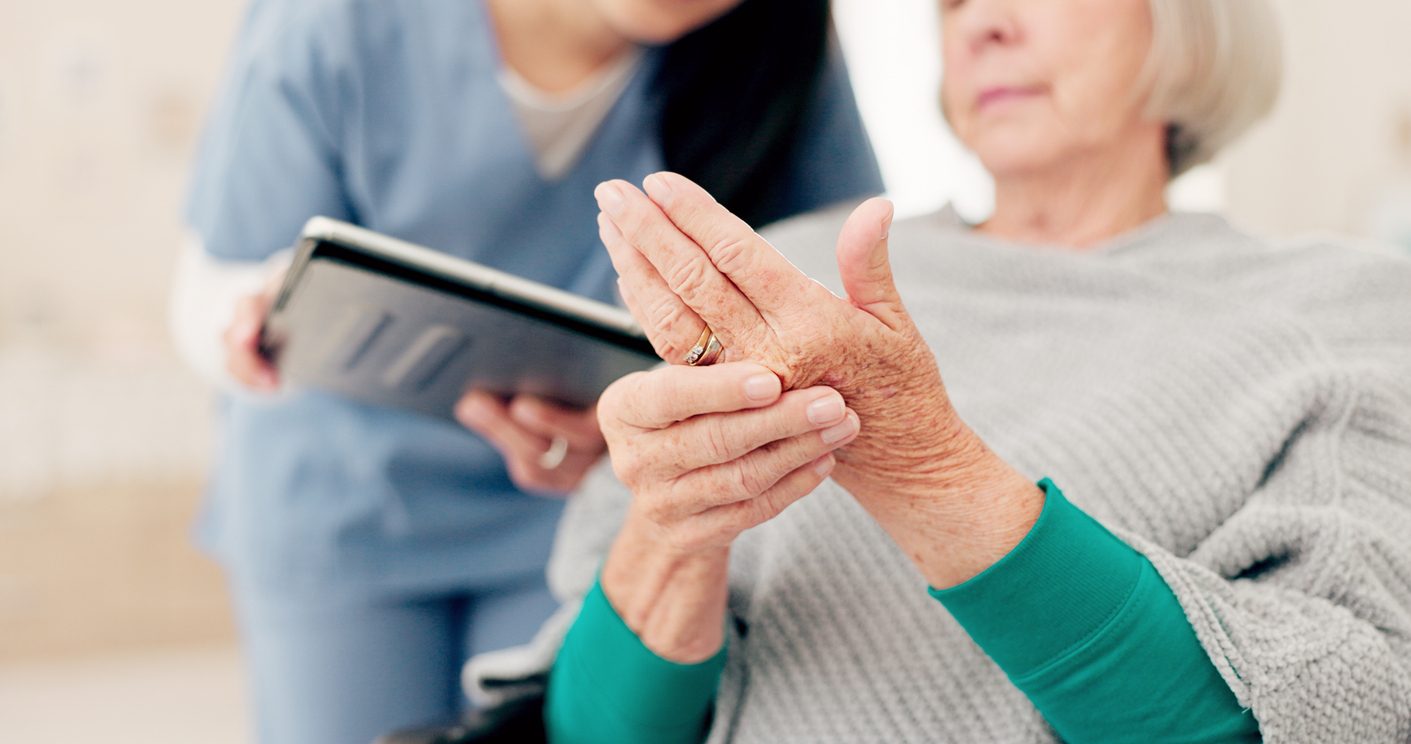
1214 70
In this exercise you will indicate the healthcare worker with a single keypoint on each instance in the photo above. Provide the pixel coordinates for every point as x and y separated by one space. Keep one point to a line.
371 551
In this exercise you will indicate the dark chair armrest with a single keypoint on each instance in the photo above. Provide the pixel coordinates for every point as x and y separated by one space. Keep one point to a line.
518 722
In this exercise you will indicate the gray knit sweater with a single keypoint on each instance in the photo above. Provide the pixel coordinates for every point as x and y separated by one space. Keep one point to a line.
1238 412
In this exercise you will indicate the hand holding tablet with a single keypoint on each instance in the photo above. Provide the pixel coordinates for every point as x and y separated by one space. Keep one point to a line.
391 323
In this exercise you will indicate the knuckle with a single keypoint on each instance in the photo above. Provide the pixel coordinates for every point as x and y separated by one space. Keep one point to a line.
668 349
732 253
609 399
749 514
666 314
751 477
612 404
764 508
628 470
717 441
734 484
688 278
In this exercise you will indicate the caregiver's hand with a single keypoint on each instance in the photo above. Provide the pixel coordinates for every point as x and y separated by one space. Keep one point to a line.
527 430
241 338
708 452
685 261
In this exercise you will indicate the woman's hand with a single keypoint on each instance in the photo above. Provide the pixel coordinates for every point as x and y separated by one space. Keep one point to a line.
547 448
685 261
243 359
708 452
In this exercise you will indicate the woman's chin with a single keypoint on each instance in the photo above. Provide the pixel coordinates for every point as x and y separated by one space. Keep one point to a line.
1002 162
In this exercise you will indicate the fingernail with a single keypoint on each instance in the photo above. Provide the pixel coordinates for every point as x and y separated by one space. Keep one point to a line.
825 410
764 386
838 432
609 197
658 188
825 465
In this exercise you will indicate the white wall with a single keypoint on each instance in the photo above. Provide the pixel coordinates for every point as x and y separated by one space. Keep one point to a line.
894 57
1329 151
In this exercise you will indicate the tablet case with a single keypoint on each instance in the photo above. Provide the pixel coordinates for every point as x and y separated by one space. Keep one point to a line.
391 323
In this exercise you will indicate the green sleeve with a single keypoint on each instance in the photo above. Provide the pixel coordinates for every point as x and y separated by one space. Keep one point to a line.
1084 626
606 686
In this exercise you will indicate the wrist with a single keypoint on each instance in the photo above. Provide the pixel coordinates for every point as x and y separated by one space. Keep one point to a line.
673 600
956 512
918 444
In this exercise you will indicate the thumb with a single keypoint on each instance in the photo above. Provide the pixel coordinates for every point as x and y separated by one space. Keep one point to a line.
863 264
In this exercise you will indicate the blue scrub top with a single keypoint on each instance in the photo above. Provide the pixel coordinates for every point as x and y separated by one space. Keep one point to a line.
390 115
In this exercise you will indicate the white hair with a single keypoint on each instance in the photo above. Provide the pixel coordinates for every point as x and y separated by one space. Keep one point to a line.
1214 70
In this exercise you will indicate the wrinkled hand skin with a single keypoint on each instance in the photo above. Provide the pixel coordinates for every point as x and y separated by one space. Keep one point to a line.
864 346
888 376
911 437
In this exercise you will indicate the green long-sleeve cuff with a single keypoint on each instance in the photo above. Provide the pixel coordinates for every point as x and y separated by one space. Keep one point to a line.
1087 629
606 686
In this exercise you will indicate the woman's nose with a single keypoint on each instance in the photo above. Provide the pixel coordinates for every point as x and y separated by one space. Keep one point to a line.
985 23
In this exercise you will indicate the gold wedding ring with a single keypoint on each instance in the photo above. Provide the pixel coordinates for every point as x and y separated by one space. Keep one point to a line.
707 350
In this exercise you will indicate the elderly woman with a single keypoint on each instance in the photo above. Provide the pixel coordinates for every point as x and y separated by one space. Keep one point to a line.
1220 432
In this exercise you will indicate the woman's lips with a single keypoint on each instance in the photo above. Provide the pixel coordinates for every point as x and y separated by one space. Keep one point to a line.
1005 94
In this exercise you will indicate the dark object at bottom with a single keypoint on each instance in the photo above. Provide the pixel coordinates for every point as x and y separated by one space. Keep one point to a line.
517 722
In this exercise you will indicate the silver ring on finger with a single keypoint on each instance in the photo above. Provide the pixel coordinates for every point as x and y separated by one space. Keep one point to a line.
555 454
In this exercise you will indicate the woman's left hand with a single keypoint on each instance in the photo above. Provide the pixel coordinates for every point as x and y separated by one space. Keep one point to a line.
547 448
684 261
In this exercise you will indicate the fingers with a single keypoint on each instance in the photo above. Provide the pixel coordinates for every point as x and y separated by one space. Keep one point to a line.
243 359
757 472
864 266
490 418
670 324
666 395
635 224
523 446
721 438
759 271
578 426
738 516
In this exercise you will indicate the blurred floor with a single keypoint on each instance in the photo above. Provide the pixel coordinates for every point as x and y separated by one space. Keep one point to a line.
167 697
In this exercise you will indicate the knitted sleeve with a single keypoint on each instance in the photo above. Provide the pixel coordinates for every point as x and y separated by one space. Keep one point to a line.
1302 597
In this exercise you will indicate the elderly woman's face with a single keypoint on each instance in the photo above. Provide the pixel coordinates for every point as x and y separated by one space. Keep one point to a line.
661 21
1029 84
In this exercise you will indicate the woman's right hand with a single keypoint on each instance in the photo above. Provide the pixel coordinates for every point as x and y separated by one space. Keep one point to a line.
243 359
707 452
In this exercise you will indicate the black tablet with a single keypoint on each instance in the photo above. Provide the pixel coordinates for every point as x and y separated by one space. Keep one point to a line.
388 322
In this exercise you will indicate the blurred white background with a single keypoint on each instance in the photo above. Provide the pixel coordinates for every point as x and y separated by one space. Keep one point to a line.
111 625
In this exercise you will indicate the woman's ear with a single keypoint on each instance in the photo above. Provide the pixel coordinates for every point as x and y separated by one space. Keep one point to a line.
864 266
